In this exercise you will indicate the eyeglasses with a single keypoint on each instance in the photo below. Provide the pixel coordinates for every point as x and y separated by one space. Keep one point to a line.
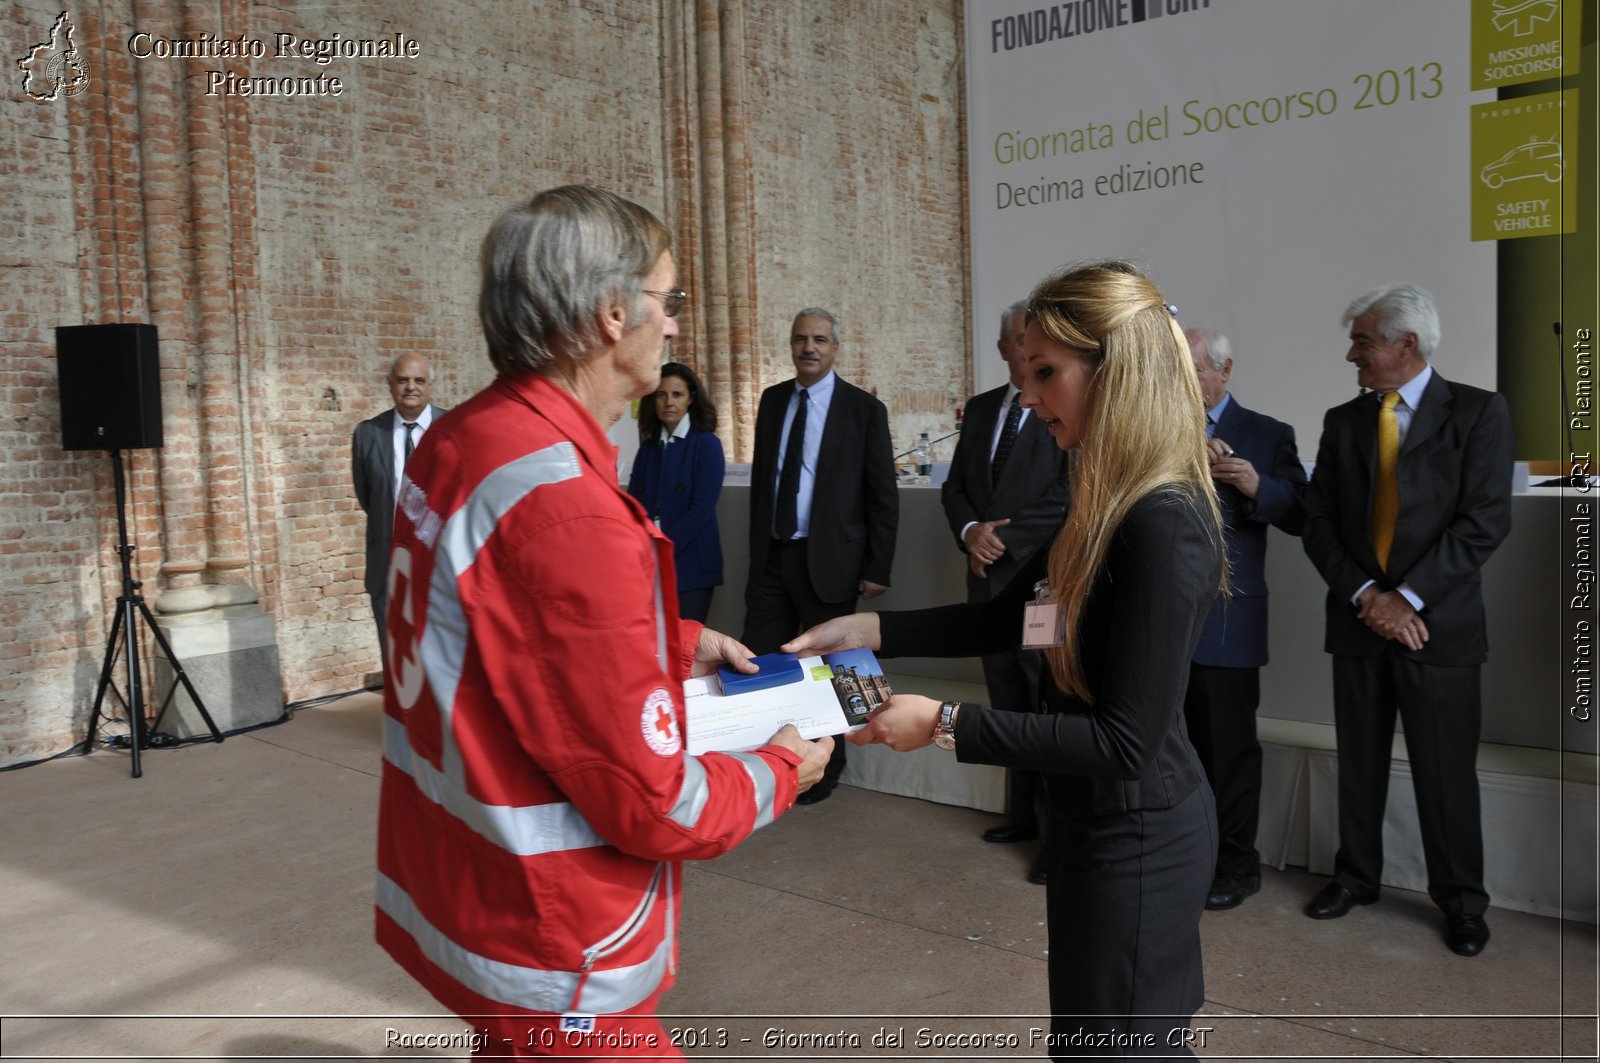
671 302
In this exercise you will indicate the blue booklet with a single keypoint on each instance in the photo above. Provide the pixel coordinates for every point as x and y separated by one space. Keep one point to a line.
776 670
820 695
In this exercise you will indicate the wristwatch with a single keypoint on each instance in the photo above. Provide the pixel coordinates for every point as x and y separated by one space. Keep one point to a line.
944 728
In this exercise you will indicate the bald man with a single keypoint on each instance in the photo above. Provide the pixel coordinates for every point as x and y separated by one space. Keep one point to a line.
378 452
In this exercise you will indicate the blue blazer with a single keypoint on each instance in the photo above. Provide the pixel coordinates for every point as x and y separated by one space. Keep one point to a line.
678 485
1235 631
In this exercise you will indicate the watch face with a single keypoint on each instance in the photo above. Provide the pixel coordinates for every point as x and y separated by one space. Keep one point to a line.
947 742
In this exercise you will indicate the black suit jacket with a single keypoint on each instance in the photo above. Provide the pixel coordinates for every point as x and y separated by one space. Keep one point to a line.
1032 491
855 503
1455 508
1130 748
372 469
1235 634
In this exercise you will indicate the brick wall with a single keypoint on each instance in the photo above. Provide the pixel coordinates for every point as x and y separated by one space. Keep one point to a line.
289 249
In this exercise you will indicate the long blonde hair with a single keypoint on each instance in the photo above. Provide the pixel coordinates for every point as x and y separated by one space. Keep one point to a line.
1144 428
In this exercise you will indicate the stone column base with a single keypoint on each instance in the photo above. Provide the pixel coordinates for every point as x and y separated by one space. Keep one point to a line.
228 647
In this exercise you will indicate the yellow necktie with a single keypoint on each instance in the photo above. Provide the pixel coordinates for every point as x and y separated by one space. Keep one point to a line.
1385 487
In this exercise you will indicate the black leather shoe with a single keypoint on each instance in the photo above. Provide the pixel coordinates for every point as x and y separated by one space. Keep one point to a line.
1229 891
814 795
1465 934
1334 902
1037 873
1007 834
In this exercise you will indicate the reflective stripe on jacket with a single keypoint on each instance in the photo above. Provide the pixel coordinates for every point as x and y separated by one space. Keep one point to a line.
537 799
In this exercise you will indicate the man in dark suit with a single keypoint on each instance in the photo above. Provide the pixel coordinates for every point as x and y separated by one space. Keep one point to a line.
1260 482
1006 498
823 502
1410 495
378 452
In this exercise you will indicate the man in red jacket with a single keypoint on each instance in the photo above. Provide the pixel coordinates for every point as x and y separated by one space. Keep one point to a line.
537 796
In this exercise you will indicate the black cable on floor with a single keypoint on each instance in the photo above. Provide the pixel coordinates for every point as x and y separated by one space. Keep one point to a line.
159 740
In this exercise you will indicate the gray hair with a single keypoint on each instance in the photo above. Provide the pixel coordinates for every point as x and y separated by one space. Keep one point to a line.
550 264
1399 309
1218 350
1018 307
817 311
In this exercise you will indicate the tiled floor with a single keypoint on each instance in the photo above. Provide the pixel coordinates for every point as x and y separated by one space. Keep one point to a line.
220 907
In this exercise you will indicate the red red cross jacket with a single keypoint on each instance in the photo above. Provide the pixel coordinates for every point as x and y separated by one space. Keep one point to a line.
537 798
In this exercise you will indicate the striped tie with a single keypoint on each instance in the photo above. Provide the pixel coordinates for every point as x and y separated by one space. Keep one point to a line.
1385 486
1008 437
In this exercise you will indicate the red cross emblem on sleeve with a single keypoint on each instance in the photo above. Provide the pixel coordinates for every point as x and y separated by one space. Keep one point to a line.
659 724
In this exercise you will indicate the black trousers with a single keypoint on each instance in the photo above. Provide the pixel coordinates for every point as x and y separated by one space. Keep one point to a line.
695 604
1220 708
380 611
779 603
1441 712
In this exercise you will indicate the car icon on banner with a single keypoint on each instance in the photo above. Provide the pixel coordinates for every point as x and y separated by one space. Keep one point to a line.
1536 158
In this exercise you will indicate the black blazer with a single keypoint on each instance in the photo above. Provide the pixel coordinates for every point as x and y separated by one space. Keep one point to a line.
1455 508
855 503
1130 748
372 469
1032 491
1235 634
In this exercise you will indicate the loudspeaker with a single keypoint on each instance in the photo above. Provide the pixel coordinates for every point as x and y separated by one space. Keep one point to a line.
110 383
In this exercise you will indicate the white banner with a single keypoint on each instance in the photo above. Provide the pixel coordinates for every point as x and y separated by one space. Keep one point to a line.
1266 161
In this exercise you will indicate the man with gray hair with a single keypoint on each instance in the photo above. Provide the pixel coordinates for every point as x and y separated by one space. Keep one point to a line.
824 505
1260 482
380 447
538 799
1005 499
1410 496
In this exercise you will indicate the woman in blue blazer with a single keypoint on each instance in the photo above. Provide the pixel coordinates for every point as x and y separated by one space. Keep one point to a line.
677 475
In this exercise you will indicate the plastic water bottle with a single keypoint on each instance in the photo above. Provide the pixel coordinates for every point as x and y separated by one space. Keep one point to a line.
924 456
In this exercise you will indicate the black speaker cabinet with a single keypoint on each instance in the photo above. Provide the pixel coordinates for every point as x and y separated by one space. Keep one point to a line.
110 380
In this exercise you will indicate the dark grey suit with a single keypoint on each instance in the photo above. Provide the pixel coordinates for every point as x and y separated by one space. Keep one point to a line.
1454 474
1032 492
855 513
372 470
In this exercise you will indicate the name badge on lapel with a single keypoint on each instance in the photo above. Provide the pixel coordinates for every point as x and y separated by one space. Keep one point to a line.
1042 622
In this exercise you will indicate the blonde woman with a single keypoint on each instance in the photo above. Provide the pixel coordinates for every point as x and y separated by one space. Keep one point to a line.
1130 579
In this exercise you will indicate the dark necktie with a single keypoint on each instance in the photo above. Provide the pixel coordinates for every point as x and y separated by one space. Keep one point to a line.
787 522
1008 436
411 441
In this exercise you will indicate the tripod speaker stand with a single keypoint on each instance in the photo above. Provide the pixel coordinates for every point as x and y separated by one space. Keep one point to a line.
125 637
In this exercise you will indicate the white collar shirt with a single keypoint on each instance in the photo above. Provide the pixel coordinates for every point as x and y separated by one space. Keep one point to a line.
424 419
1000 422
820 397
678 433
1410 399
